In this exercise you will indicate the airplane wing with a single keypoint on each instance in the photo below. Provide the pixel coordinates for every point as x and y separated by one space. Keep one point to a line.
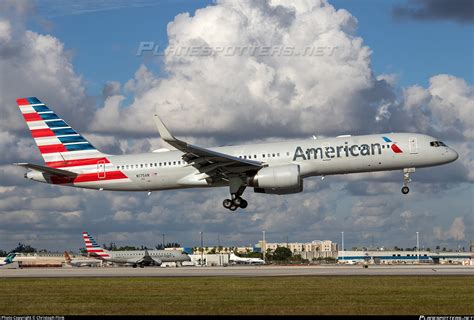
215 164
149 259
53 171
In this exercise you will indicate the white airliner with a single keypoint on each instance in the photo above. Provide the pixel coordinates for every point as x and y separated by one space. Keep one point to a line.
240 260
134 258
273 168
81 262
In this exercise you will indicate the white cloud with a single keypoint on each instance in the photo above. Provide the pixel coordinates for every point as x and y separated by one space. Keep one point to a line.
445 108
455 232
264 95
5 31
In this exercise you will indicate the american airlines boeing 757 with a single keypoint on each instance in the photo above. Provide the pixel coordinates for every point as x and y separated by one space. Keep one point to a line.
271 168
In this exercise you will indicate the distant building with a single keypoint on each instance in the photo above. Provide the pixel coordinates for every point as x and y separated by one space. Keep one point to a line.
402 257
308 250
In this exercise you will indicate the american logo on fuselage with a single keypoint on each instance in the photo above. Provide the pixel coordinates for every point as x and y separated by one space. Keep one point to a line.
345 150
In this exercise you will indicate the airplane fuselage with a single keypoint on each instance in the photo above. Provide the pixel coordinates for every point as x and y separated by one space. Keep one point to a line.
130 257
164 170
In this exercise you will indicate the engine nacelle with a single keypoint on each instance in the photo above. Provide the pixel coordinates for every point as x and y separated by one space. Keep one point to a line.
283 179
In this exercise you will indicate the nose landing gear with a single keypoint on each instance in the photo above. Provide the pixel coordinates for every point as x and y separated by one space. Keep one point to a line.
406 179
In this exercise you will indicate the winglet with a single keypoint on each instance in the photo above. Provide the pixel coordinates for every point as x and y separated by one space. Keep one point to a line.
163 130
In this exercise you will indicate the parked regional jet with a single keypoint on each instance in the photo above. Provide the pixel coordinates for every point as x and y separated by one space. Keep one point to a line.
85 262
240 260
135 258
273 168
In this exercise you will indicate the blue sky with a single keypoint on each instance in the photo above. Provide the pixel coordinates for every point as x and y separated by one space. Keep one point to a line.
104 42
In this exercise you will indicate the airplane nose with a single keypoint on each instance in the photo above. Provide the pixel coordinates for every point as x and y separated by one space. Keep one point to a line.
452 155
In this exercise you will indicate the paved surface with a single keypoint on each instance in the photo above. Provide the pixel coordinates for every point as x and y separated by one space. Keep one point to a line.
240 271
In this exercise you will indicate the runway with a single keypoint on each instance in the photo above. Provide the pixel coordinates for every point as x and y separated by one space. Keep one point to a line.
240 271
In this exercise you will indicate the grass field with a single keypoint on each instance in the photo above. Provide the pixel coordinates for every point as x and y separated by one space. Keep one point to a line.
282 295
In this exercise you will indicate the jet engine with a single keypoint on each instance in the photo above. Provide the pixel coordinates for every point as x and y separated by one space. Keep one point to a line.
283 179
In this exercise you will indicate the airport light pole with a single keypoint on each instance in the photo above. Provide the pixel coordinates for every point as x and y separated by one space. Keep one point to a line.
202 251
264 245
417 247
342 244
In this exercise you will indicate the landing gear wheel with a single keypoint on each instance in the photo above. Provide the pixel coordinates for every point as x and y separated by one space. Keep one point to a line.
244 204
237 201
142 266
227 203
233 208
405 190
134 266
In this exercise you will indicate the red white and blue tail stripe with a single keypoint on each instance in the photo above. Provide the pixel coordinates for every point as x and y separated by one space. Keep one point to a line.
55 139
93 248
64 148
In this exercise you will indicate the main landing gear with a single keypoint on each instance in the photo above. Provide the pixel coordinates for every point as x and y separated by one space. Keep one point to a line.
236 202
236 190
406 179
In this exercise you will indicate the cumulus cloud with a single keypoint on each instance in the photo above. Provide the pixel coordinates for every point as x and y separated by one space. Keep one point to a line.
34 64
455 232
260 94
445 108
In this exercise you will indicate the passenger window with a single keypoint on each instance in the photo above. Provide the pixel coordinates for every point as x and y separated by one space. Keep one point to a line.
169 163
126 166
174 162
164 163
141 165
273 155
278 154
263 155
146 165
288 154
255 156
245 157
136 166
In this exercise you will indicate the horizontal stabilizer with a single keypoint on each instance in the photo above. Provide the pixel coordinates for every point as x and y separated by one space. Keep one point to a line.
53 171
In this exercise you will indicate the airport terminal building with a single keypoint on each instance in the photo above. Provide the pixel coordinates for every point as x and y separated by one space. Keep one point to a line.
404 257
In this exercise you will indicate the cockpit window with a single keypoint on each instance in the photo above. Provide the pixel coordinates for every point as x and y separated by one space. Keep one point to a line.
437 144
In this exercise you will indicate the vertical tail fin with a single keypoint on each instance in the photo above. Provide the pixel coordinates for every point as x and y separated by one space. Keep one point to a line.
67 257
9 258
93 248
56 140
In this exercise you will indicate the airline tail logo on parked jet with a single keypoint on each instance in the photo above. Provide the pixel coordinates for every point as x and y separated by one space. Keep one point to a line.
92 246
